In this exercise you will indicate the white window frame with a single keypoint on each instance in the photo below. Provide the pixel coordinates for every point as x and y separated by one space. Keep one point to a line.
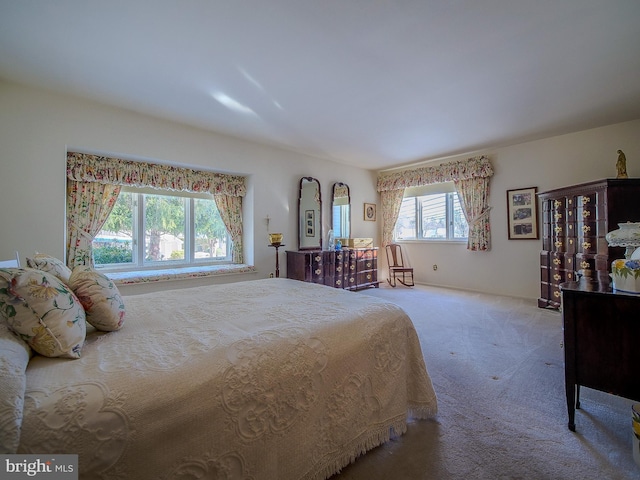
138 231
440 188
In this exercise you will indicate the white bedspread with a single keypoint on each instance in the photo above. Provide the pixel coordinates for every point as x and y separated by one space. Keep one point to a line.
265 379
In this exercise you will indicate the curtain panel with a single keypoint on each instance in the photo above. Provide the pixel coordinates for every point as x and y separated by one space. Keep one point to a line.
94 182
471 178
88 207
474 194
391 201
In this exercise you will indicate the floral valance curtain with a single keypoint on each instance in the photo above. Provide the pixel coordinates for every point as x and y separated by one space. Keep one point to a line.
340 190
471 178
93 184
446 172
82 167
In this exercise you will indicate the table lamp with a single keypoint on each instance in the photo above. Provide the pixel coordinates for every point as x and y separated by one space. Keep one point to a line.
625 273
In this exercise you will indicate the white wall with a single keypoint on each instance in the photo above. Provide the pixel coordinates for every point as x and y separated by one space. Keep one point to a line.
511 267
37 127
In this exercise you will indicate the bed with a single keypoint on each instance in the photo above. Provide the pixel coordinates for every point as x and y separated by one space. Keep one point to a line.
263 379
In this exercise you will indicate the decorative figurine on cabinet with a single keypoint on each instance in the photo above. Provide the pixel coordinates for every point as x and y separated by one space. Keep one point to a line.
621 165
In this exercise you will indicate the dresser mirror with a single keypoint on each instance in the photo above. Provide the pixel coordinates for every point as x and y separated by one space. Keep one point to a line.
309 214
341 210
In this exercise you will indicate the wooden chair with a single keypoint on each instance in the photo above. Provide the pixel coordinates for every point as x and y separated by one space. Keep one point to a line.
397 269
13 263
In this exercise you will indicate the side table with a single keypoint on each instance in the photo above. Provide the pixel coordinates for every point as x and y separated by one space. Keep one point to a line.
601 331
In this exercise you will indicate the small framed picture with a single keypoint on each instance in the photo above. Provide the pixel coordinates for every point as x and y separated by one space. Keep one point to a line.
522 214
370 212
310 223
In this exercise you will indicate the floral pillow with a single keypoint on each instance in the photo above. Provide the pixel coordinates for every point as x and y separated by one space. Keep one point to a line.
14 357
103 305
47 263
43 311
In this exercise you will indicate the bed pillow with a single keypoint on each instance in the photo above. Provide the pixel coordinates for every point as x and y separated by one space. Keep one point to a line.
103 305
14 357
47 263
43 311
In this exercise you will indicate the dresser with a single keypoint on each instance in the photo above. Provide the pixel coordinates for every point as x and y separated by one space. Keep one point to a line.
575 221
601 332
349 268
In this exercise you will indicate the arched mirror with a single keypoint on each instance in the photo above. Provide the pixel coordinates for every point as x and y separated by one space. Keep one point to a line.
310 214
341 210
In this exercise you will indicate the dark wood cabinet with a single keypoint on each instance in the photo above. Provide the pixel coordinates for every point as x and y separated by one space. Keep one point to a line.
349 268
575 221
601 331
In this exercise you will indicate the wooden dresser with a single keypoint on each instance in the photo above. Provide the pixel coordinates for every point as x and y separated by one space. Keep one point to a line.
349 268
601 331
575 221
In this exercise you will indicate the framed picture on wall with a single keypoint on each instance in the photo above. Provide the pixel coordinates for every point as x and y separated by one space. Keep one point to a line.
522 214
310 229
370 212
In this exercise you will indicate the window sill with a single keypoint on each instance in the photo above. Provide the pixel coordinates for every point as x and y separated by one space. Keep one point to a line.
165 274
462 241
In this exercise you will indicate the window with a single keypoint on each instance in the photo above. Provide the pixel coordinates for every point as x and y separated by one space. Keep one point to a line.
146 230
430 216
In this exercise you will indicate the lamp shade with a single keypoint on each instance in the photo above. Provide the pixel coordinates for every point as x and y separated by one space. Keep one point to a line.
628 235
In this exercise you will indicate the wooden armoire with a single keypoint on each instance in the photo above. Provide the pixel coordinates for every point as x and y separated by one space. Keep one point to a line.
575 220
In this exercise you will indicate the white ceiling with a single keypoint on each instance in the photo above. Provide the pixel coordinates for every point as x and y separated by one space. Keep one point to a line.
370 83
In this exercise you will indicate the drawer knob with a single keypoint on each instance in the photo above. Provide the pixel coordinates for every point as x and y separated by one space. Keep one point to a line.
586 228
586 213
556 261
557 277
556 294
586 245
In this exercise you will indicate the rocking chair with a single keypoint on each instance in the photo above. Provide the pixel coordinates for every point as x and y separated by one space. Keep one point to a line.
397 269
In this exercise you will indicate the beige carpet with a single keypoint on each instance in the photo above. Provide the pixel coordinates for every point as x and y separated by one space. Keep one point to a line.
497 367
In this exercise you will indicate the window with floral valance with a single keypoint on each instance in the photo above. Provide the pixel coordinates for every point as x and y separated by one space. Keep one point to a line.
94 182
471 180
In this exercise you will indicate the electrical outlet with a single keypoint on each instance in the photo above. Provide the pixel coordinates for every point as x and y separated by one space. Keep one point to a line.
435 267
